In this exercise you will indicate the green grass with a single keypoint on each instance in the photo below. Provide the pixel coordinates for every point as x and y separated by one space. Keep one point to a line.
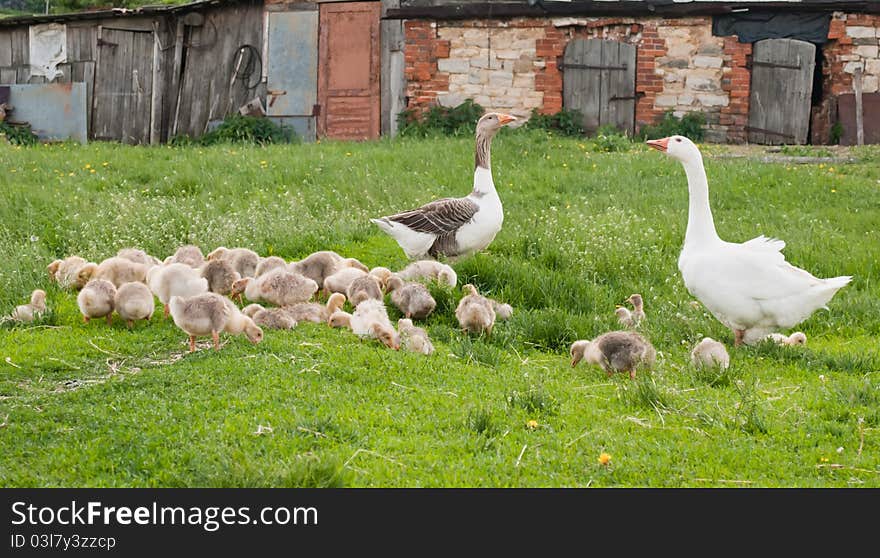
92 405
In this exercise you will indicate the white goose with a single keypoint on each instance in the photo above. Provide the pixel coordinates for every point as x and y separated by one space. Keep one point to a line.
749 287
455 226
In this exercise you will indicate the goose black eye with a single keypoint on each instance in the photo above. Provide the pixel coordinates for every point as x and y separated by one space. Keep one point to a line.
678 140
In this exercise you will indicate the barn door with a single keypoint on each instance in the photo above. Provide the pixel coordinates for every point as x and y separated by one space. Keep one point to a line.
122 100
292 86
782 89
348 75
600 81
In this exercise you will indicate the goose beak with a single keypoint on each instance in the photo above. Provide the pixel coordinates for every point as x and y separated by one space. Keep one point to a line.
505 119
659 144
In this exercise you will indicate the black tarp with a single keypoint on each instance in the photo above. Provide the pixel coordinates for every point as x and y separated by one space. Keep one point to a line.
755 26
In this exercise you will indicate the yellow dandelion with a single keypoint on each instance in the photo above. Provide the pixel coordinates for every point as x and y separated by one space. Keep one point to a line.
565 165
263 163
830 169
92 171
604 458
70 174
12 170
532 424
88 166
105 164
823 459
348 153
833 190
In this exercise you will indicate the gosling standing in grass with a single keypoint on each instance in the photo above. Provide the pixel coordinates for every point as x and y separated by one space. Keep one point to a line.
97 300
413 299
200 315
29 312
475 313
796 338
631 318
615 351
414 338
134 301
710 353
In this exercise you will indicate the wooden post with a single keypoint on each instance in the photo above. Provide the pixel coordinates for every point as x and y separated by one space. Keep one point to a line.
857 89
156 97
176 71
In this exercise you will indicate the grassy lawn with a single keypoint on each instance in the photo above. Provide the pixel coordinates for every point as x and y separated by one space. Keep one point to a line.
92 405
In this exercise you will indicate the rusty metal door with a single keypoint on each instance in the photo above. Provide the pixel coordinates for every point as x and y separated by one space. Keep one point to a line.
292 89
122 101
781 91
348 75
599 80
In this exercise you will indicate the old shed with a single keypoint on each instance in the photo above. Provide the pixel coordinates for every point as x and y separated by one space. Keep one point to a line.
157 72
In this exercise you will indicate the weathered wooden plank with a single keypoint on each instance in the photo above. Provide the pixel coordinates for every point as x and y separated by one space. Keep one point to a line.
620 101
781 91
7 75
21 55
5 49
80 42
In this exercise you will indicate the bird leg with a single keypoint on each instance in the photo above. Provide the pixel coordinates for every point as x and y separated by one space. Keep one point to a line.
85 319
738 335
109 319
216 337
632 374
165 311
192 343
130 324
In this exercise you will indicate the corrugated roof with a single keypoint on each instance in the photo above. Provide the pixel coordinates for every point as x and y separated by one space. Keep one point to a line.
111 13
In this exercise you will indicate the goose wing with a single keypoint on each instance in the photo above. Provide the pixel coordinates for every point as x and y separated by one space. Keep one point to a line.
440 217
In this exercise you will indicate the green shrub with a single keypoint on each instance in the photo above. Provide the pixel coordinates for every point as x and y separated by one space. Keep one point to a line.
444 121
690 126
241 129
565 122
608 138
18 135
836 133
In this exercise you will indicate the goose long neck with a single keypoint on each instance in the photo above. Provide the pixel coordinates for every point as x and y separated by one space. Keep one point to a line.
701 226
483 183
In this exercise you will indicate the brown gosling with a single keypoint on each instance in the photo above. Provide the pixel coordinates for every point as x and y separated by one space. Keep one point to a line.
189 254
274 318
339 318
96 300
120 270
244 260
71 272
29 312
200 315
279 287
710 353
134 301
429 270
414 338
796 338
268 264
238 323
137 255
315 312
475 313
631 318
615 351
370 319
503 311
320 265
339 281
220 276
176 279
382 274
251 309
413 299
364 287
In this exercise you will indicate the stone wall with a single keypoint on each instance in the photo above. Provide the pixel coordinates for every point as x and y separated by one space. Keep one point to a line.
513 65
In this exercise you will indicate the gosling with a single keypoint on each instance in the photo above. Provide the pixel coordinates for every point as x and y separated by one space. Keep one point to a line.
322 264
429 270
631 318
96 300
414 338
364 287
315 312
268 264
615 351
29 312
189 254
796 338
134 301
413 299
370 319
244 261
710 353
220 276
200 315
475 313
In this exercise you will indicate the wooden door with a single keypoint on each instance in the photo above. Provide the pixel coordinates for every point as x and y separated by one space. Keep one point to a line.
348 74
781 91
599 80
122 100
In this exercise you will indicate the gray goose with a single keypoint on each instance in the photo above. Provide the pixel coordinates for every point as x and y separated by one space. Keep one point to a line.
455 226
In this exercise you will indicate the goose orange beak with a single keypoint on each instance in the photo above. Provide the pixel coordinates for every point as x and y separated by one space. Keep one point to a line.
658 144
505 119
